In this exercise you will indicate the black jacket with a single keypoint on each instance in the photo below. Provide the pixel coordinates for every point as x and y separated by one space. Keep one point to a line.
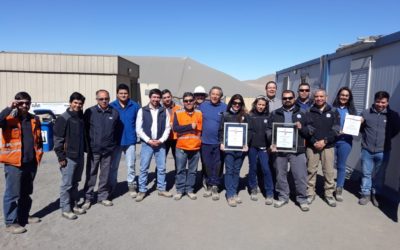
298 115
101 128
323 125
69 135
257 135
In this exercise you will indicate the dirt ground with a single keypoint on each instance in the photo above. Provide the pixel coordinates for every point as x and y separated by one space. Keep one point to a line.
162 223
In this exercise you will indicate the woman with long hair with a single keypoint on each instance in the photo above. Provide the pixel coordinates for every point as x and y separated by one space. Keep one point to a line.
236 112
257 141
345 105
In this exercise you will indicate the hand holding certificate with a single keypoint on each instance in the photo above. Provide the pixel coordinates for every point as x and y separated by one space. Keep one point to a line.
284 137
352 124
235 136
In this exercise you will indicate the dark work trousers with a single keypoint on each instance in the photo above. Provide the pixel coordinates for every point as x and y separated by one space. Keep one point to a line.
170 144
94 163
298 168
18 187
211 158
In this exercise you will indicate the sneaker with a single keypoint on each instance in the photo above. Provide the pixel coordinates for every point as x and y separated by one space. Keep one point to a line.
15 229
140 196
338 194
237 199
331 201
207 192
106 203
192 196
178 196
374 200
269 200
310 199
69 215
215 194
33 220
86 205
78 210
253 195
364 200
304 207
232 202
280 203
165 194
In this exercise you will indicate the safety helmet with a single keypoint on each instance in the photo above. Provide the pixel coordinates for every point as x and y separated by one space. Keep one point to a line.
199 90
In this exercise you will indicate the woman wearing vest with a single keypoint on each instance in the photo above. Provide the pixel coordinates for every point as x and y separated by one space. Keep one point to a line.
236 112
21 153
258 124
344 105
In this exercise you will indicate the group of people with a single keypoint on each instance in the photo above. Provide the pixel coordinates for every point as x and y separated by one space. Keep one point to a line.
194 133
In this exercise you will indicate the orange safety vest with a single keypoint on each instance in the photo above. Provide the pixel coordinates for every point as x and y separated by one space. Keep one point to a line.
189 140
173 135
10 152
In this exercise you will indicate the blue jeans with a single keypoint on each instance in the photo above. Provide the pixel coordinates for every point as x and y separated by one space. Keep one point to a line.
146 154
233 164
373 171
186 178
342 151
262 156
19 186
130 159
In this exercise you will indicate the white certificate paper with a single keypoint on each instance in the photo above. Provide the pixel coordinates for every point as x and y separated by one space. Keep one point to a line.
235 136
284 137
352 124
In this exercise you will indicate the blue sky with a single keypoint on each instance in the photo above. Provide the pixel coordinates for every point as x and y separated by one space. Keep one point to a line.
245 39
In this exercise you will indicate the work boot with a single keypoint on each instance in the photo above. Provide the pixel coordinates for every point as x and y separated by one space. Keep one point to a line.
33 220
69 215
177 196
140 196
310 199
280 203
86 205
132 190
237 199
338 194
79 211
374 200
106 203
304 207
207 192
192 196
215 194
253 194
15 229
232 202
364 200
165 194
269 200
331 201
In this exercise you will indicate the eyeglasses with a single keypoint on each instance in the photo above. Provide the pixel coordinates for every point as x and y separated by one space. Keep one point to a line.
103 99
22 103
237 103
304 90
188 101
287 98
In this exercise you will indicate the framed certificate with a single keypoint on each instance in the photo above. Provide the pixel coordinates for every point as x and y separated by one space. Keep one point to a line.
352 124
235 136
284 137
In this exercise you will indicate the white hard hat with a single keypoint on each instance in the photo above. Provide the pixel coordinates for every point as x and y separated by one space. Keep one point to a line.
199 90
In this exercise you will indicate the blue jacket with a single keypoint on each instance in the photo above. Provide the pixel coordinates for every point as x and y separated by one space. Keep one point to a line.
126 128
211 120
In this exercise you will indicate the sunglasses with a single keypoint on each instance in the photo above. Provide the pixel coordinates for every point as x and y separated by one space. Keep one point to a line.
288 98
188 101
22 103
103 99
237 103
304 90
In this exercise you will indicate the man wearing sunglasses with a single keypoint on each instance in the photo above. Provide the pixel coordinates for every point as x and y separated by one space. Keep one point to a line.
304 101
290 113
21 153
188 126
101 122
